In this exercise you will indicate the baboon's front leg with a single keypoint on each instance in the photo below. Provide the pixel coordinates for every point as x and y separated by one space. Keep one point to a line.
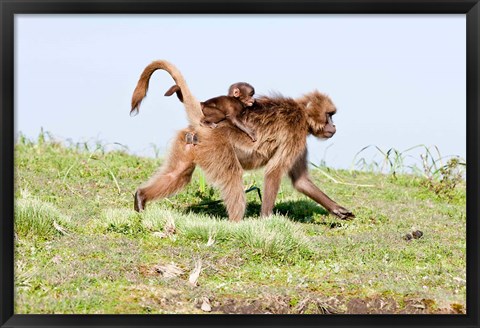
301 181
271 186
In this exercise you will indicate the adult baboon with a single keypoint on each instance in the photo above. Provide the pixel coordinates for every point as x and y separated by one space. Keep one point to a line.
282 126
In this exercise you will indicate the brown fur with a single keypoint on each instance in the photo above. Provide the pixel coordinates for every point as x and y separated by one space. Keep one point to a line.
282 126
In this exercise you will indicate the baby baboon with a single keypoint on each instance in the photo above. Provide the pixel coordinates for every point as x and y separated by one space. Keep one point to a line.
215 110
282 126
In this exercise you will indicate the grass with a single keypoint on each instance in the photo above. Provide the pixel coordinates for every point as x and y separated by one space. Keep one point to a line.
80 247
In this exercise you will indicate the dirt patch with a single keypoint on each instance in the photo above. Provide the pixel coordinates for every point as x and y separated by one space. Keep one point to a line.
331 305
231 306
154 299
372 306
147 271
276 304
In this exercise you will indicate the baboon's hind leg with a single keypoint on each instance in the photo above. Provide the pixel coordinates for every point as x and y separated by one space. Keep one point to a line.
174 174
222 168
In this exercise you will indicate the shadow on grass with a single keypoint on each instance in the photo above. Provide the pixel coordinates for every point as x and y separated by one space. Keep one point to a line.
303 211
216 208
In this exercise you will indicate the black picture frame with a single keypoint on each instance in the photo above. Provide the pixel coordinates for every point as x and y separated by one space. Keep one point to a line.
9 8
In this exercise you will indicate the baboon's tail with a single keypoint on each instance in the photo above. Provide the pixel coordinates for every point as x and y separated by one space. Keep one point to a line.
192 105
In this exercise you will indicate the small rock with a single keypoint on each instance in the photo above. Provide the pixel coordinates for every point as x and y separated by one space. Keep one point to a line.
206 307
417 234
169 270
408 237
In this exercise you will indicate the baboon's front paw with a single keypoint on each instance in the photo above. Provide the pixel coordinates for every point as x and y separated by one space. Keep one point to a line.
139 202
343 213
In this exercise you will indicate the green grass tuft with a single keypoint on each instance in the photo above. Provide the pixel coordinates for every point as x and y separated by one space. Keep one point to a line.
37 219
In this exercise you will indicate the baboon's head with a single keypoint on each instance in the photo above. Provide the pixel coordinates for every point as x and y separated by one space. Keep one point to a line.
319 109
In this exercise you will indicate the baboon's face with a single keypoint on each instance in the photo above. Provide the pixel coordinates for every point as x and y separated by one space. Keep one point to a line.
245 95
320 110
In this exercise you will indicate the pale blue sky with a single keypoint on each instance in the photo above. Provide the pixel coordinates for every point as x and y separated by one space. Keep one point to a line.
397 80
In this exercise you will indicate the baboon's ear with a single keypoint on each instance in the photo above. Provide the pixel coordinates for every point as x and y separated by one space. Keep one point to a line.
236 92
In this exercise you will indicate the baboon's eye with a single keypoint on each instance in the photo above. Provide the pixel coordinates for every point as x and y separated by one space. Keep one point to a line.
329 119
